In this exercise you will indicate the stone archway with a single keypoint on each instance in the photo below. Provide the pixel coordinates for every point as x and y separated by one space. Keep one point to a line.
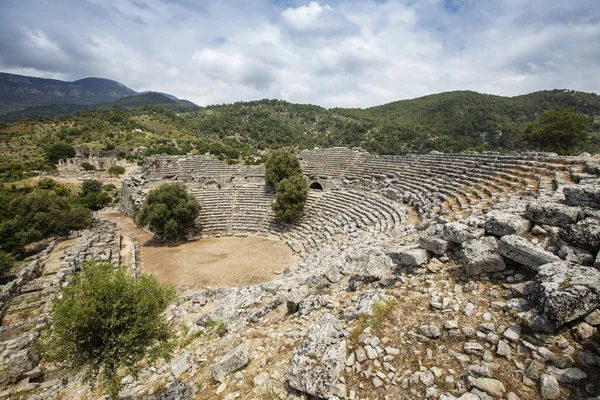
316 186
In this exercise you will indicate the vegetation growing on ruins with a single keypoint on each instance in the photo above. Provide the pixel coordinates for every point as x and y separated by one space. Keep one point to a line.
290 198
108 320
29 214
280 165
116 170
169 211
283 172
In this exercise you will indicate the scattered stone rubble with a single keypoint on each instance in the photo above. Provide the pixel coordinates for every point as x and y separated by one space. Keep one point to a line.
493 295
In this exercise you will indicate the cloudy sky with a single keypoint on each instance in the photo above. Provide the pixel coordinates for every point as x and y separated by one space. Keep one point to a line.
334 53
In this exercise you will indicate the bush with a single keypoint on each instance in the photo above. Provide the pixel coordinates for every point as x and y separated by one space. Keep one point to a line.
87 166
92 196
108 320
116 170
281 164
6 262
169 211
290 198
37 215
59 151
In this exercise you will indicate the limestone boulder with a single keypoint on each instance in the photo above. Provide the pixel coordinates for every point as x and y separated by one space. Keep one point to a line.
181 364
319 360
434 244
176 390
379 266
501 223
458 232
565 291
553 214
582 195
230 362
408 257
481 256
521 250
584 234
294 298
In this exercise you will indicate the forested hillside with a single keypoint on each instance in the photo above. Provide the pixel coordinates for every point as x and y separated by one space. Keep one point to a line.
453 121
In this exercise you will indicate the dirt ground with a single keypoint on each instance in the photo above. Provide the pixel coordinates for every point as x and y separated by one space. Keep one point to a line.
214 262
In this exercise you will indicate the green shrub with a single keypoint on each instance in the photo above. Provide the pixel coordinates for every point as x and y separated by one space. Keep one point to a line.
6 262
109 320
290 198
92 196
87 166
37 215
116 170
46 184
59 151
281 164
169 210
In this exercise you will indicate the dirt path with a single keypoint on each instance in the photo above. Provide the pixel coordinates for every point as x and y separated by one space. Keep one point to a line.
214 262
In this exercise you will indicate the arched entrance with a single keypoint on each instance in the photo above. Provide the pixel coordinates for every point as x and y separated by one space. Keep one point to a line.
316 186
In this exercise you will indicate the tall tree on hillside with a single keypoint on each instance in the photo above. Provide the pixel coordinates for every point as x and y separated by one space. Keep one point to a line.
560 130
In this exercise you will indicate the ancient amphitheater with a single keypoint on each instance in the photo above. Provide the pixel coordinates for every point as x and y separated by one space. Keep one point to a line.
438 276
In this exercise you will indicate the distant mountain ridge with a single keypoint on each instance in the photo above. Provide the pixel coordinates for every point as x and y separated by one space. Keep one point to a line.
18 92
137 100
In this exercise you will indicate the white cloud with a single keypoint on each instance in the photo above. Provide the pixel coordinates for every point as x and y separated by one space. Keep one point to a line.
305 17
352 53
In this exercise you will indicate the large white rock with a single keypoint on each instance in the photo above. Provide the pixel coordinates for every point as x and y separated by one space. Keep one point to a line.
181 364
582 195
565 292
481 256
458 232
521 250
319 360
553 214
501 223
408 257
230 362
434 244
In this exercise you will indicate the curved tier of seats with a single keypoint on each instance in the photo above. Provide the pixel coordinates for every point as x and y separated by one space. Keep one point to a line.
328 215
449 185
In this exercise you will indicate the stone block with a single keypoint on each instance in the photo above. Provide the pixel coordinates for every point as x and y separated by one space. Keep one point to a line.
457 232
434 244
230 362
582 195
481 256
501 223
565 291
521 250
553 214
584 234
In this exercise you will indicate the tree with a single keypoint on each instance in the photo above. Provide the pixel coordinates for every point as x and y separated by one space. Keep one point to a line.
290 198
59 151
38 215
560 130
87 166
92 195
107 320
281 164
169 210
116 170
